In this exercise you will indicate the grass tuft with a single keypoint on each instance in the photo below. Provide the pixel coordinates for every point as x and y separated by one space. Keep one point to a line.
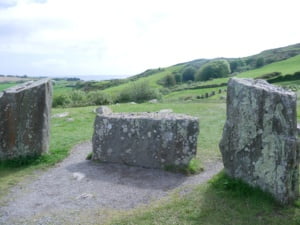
89 156
237 188
194 167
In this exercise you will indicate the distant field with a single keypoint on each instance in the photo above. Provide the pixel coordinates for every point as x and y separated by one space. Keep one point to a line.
4 86
288 66
62 87
151 80
192 94
7 82
12 79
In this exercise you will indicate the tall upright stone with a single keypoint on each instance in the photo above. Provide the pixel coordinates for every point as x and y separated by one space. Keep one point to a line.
25 119
259 143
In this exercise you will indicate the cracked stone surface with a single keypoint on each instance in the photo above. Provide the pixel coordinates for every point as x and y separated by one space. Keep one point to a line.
259 143
25 119
151 140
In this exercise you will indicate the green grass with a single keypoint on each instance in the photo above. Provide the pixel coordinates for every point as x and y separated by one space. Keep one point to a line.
191 94
62 87
288 66
6 85
152 80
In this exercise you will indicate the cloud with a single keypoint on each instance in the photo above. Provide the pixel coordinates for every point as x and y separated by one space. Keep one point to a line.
39 1
127 37
7 3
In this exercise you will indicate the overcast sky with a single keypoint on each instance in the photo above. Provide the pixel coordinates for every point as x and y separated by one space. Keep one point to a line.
126 37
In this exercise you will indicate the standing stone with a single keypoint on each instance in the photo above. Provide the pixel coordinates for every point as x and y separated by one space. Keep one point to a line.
259 143
25 119
152 140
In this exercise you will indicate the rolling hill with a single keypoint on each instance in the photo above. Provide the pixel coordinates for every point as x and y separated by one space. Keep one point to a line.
284 60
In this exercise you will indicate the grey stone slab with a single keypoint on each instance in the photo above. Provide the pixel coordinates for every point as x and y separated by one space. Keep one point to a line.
152 140
25 119
259 143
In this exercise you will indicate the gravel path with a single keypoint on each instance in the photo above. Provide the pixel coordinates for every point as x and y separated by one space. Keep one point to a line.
76 185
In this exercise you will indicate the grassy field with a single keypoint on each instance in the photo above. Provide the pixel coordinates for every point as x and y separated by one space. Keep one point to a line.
221 201
217 202
288 66
62 87
5 85
152 80
193 94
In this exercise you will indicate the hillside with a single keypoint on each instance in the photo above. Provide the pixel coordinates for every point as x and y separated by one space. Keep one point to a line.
285 60
179 82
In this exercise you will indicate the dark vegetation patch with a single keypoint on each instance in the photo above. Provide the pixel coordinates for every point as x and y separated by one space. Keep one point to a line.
194 167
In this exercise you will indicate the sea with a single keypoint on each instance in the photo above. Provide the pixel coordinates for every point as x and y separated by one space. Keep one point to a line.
92 77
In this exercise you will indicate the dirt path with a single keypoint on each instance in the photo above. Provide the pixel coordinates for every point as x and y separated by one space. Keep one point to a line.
77 185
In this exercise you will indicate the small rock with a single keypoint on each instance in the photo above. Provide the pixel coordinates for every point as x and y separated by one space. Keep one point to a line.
78 176
70 119
165 111
60 115
85 196
153 101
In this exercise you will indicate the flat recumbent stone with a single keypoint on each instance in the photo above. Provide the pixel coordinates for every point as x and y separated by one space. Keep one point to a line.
25 119
259 143
152 140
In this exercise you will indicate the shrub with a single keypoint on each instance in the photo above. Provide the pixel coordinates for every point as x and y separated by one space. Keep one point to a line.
288 77
259 62
164 91
99 98
237 65
61 100
169 80
178 77
78 98
213 69
138 92
269 75
188 74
